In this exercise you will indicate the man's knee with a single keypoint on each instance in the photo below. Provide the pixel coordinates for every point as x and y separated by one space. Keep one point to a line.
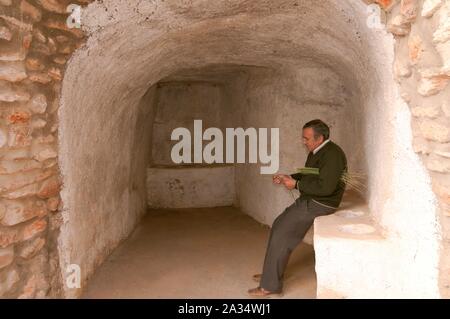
281 231
279 218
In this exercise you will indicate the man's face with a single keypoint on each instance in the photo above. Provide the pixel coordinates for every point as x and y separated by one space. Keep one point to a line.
308 139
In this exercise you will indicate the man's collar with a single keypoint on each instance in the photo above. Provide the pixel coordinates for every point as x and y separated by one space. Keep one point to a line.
320 146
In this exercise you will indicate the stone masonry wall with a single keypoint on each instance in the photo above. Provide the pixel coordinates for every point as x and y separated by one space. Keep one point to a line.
422 69
35 45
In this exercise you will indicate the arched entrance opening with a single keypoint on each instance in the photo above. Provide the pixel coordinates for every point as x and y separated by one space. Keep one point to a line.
257 65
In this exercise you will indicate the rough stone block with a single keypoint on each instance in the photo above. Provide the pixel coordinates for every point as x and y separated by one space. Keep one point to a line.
62 38
8 236
39 35
30 11
408 8
25 191
430 7
415 45
42 152
10 93
438 163
5 33
40 48
40 77
56 6
16 181
49 188
18 165
38 123
421 145
2 210
13 50
31 248
442 33
399 26
38 103
29 290
60 59
446 108
60 24
12 71
18 116
3 137
402 69
55 73
53 203
33 229
435 130
16 19
384 4
7 280
19 136
442 149
34 64
432 82
20 211
19 153
55 221
6 256
37 284
46 139
66 48
442 188
52 45
431 111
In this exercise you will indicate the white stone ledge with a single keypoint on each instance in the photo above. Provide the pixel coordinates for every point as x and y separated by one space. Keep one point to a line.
350 252
350 224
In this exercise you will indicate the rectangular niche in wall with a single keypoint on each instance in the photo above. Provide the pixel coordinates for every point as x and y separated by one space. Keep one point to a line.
190 186
171 185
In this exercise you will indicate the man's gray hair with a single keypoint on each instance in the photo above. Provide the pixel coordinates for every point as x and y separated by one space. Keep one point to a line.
319 128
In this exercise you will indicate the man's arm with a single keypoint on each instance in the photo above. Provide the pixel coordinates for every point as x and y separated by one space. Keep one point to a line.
297 177
286 180
329 176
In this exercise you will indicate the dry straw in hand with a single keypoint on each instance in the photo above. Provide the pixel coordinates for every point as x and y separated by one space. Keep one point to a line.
352 180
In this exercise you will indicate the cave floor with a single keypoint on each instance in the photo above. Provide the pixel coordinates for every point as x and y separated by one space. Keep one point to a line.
196 253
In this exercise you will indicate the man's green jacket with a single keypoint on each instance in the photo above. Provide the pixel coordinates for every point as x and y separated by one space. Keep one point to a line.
327 188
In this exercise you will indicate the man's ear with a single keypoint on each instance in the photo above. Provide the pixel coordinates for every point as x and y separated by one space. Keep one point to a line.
321 139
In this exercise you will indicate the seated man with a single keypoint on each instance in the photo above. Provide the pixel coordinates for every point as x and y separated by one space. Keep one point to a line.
320 195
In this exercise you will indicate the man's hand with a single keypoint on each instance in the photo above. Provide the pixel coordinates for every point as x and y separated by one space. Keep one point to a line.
286 180
278 178
289 182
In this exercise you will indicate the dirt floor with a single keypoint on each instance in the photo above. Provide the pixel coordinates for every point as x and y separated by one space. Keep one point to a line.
196 253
